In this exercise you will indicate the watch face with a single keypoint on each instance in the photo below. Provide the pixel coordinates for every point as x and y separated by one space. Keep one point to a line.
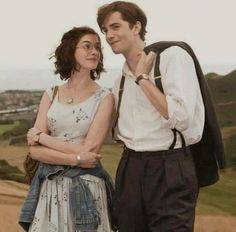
145 76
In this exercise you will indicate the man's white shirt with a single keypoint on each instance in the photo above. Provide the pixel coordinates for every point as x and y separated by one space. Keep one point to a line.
140 126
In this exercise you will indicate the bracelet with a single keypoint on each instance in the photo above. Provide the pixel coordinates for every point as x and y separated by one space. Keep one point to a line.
78 159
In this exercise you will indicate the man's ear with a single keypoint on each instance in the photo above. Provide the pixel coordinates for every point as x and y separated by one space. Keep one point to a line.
137 27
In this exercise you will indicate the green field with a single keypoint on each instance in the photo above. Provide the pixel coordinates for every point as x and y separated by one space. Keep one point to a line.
219 198
6 127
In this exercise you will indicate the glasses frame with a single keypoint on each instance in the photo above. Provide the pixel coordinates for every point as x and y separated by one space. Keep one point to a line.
88 46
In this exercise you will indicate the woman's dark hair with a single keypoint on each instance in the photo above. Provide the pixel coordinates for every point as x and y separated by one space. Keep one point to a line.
129 11
64 54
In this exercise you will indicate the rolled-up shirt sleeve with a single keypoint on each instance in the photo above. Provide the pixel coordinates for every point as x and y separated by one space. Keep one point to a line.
180 86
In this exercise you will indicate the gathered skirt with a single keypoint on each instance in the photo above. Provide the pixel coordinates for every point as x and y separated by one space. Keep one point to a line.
53 213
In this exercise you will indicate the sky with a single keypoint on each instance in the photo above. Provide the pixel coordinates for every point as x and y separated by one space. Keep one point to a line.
31 29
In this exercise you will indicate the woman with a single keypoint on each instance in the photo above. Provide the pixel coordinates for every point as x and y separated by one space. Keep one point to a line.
68 191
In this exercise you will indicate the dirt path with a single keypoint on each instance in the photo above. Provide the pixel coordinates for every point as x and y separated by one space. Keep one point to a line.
11 197
207 223
9 217
215 223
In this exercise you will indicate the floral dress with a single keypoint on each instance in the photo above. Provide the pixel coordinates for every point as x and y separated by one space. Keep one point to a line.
69 122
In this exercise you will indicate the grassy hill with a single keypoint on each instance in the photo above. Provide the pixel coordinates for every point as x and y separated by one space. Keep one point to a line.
223 89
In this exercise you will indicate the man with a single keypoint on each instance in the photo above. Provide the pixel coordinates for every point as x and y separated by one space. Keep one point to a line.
156 185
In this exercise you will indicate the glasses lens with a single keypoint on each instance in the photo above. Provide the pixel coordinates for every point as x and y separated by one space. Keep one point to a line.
89 46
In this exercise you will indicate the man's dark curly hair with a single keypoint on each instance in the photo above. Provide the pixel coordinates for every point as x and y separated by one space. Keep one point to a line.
64 54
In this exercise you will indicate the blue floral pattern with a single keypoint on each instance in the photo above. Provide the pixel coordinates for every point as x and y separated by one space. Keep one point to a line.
71 122
80 114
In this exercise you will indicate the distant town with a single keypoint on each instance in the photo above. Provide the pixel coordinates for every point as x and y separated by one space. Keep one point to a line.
19 104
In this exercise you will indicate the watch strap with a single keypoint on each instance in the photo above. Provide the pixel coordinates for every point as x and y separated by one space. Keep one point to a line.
140 77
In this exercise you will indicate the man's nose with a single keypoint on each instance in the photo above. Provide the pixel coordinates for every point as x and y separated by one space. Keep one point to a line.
109 35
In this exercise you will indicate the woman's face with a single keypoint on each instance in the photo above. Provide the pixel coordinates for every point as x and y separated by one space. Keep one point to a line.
87 52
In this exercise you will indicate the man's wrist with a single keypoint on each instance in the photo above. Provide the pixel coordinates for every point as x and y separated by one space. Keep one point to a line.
141 77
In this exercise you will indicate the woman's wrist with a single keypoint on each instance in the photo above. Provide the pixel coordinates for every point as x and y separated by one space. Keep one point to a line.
37 137
43 139
77 159
40 137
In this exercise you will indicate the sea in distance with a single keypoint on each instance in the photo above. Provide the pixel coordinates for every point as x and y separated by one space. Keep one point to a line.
40 79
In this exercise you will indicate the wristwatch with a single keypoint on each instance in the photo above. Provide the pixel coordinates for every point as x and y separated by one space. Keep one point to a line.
141 77
37 136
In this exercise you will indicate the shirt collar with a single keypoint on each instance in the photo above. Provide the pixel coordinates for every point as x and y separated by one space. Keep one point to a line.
126 71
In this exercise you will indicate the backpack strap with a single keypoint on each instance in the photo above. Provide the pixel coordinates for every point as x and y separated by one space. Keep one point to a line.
157 73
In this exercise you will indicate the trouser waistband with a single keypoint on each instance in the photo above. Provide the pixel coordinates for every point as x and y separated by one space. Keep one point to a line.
161 154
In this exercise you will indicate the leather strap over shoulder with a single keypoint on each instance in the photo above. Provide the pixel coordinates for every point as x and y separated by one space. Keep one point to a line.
54 92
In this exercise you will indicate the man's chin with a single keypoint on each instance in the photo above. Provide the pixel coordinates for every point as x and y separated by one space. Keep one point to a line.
116 51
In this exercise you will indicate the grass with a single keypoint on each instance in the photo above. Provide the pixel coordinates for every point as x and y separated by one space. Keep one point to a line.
9 172
219 198
110 158
6 127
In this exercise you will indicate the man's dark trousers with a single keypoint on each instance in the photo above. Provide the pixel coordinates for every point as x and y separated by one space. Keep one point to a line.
156 191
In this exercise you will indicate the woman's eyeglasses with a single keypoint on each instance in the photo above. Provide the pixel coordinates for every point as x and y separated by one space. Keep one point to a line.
88 47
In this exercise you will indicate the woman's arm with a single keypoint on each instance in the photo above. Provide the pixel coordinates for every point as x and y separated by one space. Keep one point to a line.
56 143
95 137
47 140
50 156
101 123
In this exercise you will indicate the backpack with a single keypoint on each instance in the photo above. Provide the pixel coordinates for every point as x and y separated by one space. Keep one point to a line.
208 153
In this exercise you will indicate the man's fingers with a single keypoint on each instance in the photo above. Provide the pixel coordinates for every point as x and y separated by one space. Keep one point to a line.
151 55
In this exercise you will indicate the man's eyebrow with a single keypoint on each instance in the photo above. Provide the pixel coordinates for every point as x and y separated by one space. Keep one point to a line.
111 25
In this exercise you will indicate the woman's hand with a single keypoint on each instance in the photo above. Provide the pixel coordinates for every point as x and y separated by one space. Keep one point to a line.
32 134
87 159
